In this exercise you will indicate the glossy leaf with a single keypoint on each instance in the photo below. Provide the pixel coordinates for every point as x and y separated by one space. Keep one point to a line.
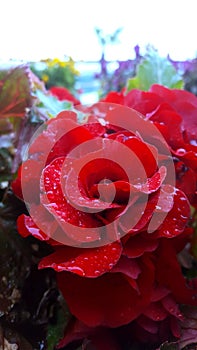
50 105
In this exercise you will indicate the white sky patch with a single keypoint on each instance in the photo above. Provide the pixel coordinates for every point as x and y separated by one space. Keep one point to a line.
32 30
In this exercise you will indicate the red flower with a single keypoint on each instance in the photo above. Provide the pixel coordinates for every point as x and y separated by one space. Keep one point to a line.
159 322
104 198
174 114
63 94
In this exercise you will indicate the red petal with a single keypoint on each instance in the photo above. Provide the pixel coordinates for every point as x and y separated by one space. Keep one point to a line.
148 324
27 227
164 115
63 94
184 102
69 219
84 262
172 307
106 191
114 97
188 157
107 300
81 200
138 214
16 185
75 330
159 293
143 102
141 151
145 153
177 218
176 327
62 135
167 269
138 245
156 312
154 183
128 267
123 189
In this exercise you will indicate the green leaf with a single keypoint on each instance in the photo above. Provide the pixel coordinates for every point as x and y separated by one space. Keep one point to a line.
155 70
50 104
56 331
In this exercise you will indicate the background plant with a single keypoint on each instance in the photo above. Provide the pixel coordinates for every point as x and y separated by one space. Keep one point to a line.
56 72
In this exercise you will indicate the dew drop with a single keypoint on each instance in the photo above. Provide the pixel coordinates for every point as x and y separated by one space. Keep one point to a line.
183 217
76 270
181 151
114 249
97 272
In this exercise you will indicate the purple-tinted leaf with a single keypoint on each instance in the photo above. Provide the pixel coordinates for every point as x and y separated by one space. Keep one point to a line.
15 92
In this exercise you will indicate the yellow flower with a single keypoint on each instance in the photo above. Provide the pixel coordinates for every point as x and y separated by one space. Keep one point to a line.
62 64
45 78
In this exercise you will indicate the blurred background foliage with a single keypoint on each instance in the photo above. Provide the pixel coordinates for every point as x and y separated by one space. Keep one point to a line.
56 72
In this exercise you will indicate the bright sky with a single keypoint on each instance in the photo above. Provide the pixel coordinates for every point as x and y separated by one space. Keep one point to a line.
32 30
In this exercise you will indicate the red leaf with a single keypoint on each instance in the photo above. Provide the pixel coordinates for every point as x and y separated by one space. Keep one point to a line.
15 92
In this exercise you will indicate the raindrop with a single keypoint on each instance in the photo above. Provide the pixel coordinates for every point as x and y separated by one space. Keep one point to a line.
76 269
114 249
183 217
158 207
181 151
167 233
49 192
183 199
111 265
97 272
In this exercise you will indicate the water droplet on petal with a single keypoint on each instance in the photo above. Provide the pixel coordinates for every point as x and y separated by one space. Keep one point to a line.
97 272
181 151
76 269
